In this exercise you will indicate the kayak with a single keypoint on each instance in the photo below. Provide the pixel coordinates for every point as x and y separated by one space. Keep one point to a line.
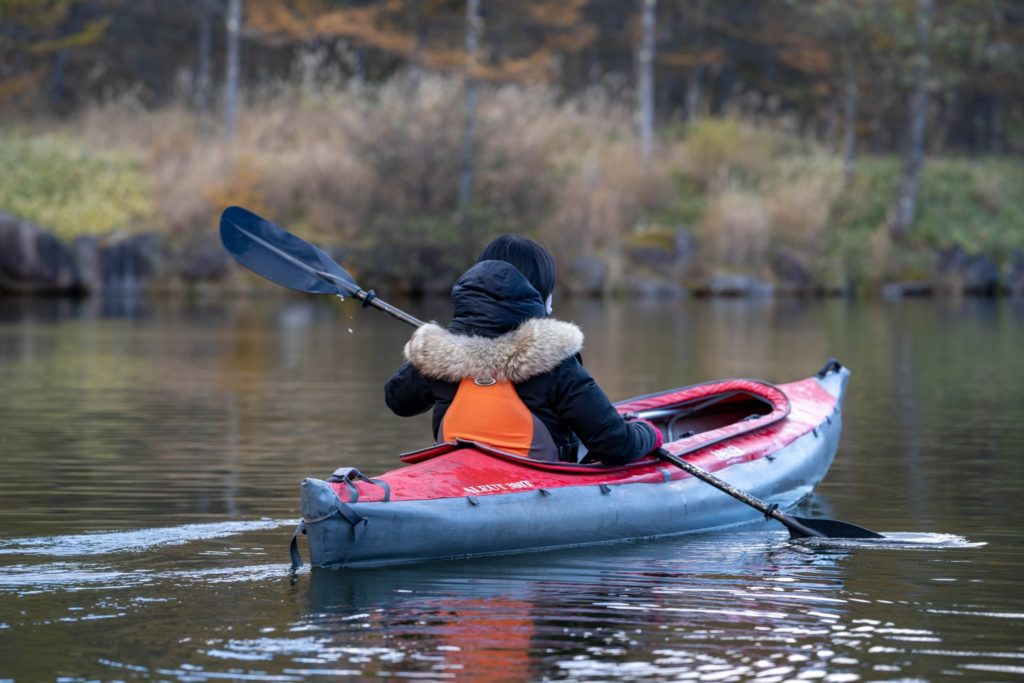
468 499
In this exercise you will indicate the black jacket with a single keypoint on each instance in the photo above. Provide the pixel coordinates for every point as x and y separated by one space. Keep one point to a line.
500 330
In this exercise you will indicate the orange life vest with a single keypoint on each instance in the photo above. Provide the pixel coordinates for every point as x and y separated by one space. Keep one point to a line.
491 412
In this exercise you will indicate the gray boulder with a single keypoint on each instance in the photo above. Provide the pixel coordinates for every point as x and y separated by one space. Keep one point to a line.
128 263
958 272
900 290
587 275
791 274
34 261
673 262
86 252
653 287
734 285
1015 278
203 259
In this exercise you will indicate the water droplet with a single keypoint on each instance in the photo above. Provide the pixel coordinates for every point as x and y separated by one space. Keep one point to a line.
350 330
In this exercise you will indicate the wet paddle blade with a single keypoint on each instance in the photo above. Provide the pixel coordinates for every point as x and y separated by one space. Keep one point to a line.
833 528
279 256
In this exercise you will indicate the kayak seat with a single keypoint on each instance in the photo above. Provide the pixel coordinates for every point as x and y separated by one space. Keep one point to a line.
708 413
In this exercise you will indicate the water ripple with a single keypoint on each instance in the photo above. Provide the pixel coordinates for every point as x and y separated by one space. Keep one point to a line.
135 540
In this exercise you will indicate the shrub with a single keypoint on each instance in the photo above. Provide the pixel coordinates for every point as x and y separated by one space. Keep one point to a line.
722 150
59 183
736 231
800 209
377 169
968 203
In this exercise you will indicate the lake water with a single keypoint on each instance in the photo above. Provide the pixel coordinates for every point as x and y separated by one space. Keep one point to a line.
151 455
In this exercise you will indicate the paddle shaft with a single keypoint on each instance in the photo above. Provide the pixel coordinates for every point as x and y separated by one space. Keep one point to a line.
382 305
369 298
795 528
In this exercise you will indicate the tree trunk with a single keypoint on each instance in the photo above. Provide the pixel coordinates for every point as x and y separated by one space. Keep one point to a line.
693 92
416 27
725 81
60 61
997 127
467 170
593 65
851 100
645 87
693 83
202 82
234 27
359 75
913 161
831 134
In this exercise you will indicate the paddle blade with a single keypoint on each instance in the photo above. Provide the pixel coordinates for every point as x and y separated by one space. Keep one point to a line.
276 254
833 528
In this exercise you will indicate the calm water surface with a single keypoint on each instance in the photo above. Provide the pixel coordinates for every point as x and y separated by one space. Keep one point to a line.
151 455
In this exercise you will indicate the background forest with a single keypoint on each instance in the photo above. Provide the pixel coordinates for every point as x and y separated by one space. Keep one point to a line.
658 146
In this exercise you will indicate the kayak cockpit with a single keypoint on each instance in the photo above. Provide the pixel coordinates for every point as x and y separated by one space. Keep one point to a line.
699 415
690 418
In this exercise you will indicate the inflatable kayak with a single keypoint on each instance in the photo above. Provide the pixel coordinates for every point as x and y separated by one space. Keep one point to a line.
467 499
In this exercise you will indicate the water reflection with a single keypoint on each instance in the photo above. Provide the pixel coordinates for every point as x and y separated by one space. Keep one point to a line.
577 613
151 457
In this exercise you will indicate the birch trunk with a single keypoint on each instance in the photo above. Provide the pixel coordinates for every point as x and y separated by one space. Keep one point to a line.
467 170
203 79
906 203
645 88
234 27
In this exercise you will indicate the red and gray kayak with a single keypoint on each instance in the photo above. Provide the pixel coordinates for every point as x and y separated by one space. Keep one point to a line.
467 499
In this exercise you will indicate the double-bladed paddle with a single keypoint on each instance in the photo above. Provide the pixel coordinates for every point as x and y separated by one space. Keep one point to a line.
276 254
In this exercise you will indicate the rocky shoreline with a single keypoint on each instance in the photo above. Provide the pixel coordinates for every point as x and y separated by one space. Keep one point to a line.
33 261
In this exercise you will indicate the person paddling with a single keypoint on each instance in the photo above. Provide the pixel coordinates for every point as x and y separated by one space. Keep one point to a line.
505 374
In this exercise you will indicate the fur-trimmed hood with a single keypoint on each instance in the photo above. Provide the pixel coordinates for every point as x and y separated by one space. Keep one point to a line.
537 346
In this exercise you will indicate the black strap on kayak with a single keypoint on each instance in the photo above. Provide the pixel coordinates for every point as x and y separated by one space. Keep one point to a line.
831 365
294 547
355 520
358 523
347 474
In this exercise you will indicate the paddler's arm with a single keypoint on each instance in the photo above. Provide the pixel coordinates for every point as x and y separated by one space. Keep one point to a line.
588 412
408 392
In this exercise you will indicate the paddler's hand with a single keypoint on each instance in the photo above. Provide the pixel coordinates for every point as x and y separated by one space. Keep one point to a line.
659 439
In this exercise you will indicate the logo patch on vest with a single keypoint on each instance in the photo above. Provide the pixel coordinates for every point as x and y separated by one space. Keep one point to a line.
484 381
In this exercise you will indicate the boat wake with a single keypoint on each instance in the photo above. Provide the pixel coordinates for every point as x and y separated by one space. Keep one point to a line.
898 540
74 577
135 540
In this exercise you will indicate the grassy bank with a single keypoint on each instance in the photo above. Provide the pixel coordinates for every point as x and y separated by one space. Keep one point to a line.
377 170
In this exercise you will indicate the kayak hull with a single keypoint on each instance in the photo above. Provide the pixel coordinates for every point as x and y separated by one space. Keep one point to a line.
378 532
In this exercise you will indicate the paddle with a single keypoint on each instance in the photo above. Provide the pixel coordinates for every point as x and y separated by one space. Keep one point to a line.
799 527
276 254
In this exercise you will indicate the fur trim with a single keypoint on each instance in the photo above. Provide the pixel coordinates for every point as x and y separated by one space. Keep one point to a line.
537 346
